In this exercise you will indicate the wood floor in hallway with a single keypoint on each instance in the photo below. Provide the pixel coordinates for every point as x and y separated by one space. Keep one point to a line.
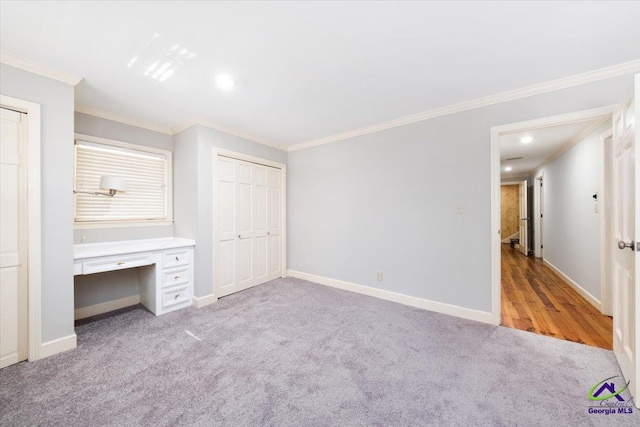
535 299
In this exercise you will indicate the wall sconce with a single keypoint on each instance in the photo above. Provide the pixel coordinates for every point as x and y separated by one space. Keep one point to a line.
108 182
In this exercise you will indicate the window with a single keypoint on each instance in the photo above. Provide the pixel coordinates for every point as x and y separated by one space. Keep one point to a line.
148 198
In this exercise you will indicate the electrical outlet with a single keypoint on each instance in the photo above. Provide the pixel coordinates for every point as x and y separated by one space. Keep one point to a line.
379 276
459 209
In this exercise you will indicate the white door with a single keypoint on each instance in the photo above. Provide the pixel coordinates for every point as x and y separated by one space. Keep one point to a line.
246 213
274 232
226 218
13 239
249 216
524 219
625 295
261 193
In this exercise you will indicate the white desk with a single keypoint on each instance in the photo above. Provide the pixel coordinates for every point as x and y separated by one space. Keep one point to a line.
166 268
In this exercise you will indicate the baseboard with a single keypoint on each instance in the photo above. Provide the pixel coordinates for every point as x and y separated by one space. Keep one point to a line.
438 307
59 345
579 289
105 307
199 302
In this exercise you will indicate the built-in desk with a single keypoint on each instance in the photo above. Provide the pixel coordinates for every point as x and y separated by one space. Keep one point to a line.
166 268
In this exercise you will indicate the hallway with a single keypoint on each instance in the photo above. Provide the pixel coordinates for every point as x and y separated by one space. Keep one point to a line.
535 299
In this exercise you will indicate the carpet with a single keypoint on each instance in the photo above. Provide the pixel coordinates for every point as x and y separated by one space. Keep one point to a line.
292 353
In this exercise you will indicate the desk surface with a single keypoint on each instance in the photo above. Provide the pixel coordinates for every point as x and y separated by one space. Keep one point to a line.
92 250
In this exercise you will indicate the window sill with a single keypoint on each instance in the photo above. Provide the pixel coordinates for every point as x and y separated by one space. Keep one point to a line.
120 224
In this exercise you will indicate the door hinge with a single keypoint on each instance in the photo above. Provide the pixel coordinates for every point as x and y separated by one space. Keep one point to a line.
541 246
541 216
637 246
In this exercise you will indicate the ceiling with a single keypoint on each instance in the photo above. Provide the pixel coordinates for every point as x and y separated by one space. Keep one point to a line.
308 70
545 144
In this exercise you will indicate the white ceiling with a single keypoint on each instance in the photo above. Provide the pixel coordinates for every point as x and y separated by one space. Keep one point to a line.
546 143
308 70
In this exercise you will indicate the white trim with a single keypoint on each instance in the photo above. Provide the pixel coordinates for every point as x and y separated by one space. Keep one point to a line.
34 230
606 255
95 112
283 185
579 289
537 212
438 307
129 223
121 144
564 83
39 68
105 307
496 132
59 345
121 224
199 302
575 140
217 126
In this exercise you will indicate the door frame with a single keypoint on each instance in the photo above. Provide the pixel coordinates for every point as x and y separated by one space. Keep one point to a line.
283 184
606 250
34 229
538 211
496 132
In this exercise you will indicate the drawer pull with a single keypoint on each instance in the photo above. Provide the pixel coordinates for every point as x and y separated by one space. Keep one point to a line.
176 297
120 262
177 259
176 277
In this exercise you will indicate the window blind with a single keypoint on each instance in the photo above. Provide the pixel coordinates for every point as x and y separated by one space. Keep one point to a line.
146 175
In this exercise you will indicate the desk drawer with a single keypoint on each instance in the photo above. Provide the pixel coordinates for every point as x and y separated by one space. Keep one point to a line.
176 296
115 263
176 276
175 258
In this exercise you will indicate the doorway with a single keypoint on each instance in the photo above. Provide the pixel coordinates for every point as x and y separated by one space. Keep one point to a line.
539 291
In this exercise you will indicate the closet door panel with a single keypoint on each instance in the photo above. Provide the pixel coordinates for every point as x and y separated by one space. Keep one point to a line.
226 263
274 226
261 221
245 210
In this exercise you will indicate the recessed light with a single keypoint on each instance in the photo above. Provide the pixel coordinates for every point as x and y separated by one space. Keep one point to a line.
526 139
508 169
225 82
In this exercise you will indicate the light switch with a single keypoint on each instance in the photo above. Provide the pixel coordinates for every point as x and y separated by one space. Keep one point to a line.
459 209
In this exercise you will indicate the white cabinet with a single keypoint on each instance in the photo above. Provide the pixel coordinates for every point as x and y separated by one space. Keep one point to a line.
165 268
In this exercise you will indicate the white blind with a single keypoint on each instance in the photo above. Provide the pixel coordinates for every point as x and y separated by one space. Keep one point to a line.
146 175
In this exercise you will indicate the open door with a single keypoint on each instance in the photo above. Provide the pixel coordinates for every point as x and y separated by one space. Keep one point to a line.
524 219
625 291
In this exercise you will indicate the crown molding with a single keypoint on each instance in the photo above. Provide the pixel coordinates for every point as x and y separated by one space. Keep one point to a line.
39 68
573 141
512 95
213 125
122 119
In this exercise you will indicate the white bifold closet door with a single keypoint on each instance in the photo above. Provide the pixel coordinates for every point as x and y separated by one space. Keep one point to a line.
249 217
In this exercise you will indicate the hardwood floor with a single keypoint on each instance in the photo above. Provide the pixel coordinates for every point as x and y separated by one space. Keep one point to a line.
535 299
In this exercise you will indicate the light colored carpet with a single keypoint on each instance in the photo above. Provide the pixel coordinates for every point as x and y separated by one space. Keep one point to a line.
292 352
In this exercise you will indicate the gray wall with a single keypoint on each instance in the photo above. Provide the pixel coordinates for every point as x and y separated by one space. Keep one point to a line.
385 201
571 229
57 101
99 288
195 190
